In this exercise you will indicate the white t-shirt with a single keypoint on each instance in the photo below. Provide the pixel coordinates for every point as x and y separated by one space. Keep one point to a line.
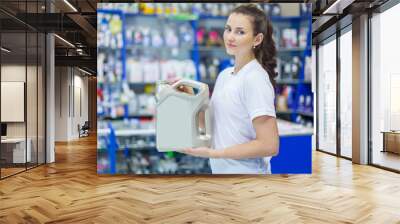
238 99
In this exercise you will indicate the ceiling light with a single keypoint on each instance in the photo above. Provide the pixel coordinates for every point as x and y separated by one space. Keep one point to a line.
84 71
64 40
337 7
5 49
70 5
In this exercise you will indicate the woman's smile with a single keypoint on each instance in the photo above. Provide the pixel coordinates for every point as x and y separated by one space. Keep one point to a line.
230 45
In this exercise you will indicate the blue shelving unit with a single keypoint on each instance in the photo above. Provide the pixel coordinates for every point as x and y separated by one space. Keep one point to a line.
301 86
111 140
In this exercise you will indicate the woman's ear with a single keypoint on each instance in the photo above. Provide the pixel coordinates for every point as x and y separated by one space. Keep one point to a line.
258 39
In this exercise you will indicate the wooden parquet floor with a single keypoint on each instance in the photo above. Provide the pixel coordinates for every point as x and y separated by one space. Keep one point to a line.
70 191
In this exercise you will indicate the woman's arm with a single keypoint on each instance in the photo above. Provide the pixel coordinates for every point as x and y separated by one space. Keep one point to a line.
265 144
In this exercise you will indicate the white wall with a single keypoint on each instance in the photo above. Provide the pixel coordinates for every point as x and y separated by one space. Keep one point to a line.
71 87
12 73
61 103
82 83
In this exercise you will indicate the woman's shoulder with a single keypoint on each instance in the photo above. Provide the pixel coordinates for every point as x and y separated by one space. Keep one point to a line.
226 71
257 75
259 70
255 72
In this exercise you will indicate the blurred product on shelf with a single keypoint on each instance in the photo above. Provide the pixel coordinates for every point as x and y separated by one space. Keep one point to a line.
210 67
308 69
146 71
272 9
303 37
305 103
289 38
110 31
203 9
169 35
290 69
210 37
284 98
304 122
146 104
128 8
293 38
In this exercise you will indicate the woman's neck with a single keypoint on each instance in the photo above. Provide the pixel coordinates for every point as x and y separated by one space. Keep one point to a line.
242 61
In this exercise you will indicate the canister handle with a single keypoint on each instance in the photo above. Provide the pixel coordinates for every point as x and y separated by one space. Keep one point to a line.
198 85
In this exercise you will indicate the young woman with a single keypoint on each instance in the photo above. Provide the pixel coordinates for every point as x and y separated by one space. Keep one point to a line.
245 134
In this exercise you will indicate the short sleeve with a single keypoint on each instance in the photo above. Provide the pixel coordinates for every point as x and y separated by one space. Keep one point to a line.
258 95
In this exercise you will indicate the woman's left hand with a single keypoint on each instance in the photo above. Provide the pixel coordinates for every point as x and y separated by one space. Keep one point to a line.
200 152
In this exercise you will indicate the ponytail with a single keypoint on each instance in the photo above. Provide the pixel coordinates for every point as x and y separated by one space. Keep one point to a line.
265 52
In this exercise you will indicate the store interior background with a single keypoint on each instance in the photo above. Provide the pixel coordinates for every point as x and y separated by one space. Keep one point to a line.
139 44
60 81
335 84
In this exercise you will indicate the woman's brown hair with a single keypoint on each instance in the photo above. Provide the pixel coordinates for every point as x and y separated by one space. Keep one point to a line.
265 52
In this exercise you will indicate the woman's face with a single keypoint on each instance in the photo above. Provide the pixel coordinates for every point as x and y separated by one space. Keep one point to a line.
238 35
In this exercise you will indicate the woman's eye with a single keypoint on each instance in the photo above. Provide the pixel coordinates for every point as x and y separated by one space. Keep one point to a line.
240 32
227 29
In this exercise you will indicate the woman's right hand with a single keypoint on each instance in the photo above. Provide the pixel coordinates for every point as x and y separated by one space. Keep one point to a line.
183 88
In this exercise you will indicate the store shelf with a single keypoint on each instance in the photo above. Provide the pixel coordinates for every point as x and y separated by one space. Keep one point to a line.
289 19
213 17
139 87
291 81
108 49
127 132
303 113
141 83
132 47
286 128
131 148
285 112
173 17
110 11
307 114
293 49
132 116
